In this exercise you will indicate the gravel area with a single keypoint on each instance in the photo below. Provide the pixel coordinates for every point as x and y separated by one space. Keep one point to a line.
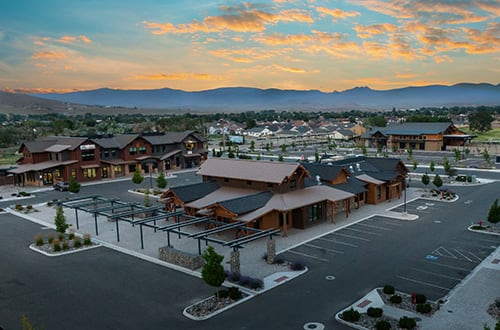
494 309
211 305
406 303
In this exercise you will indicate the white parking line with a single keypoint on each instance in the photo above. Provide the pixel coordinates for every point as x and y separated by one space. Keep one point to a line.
364 232
447 266
424 283
475 256
323 248
350 236
437 274
372 226
463 255
440 250
307 255
338 242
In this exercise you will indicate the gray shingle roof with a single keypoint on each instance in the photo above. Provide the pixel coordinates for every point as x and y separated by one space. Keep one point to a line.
325 172
410 129
194 191
247 204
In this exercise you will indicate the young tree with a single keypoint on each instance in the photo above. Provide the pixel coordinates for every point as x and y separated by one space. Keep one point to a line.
432 166
494 213
448 169
458 154
212 271
147 200
363 150
425 179
415 164
60 220
486 156
252 146
161 182
283 148
73 186
280 158
437 181
137 178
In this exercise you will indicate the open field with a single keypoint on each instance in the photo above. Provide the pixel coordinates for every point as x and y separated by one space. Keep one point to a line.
8 156
493 135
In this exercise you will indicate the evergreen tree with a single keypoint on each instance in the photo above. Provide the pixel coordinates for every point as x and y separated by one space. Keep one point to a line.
147 201
494 213
161 182
212 271
432 166
73 186
137 178
437 181
60 220
425 179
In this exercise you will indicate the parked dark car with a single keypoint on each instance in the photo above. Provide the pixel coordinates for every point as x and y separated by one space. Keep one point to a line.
61 185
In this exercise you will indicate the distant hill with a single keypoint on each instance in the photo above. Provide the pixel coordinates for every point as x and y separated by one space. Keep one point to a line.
243 98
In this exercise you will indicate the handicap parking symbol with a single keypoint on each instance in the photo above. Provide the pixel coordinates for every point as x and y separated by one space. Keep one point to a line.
430 257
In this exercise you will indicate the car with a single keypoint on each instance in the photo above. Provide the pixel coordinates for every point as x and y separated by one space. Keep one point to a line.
61 185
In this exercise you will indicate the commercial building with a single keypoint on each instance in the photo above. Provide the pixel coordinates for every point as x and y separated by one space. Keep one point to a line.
52 159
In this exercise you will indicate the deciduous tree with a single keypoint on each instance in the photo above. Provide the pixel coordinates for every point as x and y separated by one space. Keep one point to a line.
212 271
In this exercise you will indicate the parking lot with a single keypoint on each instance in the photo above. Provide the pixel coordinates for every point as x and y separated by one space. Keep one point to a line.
416 258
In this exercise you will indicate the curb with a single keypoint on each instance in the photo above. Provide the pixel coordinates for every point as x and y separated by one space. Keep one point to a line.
62 253
205 317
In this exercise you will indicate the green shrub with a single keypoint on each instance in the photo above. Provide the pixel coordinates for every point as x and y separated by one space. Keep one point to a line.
407 323
65 245
382 325
86 239
497 326
374 312
234 293
19 207
29 207
71 236
56 246
424 308
50 239
350 315
388 289
38 240
60 236
420 298
49 204
395 299
77 242
222 293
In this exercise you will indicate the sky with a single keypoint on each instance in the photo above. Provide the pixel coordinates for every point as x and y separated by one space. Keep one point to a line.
62 46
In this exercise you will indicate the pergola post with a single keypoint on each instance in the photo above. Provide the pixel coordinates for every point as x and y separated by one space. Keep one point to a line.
235 260
76 216
332 207
95 221
285 227
271 250
117 231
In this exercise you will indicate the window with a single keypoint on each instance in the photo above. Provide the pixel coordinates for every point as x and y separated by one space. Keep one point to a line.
89 173
57 174
133 150
142 150
315 212
379 192
293 183
88 155
73 173
117 168
249 183
106 154
113 153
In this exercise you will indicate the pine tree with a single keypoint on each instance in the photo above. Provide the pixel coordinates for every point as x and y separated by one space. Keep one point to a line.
494 213
425 179
73 186
212 271
161 182
60 220
437 181
137 178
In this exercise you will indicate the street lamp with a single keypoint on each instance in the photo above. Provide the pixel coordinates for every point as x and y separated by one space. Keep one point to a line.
406 186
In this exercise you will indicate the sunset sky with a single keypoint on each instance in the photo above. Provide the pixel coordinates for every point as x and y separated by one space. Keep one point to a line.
61 45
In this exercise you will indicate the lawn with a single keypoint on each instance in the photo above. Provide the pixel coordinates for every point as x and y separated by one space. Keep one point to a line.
8 156
493 135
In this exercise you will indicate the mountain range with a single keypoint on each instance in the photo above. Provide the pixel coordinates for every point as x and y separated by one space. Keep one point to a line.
245 98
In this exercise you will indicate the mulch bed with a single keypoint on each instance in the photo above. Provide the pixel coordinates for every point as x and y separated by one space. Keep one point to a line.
211 305
494 309
406 302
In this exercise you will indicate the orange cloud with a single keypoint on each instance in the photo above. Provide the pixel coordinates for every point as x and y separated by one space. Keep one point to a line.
288 69
337 13
487 41
49 55
369 31
405 75
238 19
28 90
177 76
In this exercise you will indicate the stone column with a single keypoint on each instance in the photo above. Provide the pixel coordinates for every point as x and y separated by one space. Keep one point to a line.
235 261
271 251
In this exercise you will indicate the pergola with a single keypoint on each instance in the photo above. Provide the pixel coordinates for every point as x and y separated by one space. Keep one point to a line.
117 211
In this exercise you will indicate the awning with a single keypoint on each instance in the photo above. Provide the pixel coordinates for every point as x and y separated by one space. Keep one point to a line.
40 166
170 154
117 161
190 155
90 166
141 158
